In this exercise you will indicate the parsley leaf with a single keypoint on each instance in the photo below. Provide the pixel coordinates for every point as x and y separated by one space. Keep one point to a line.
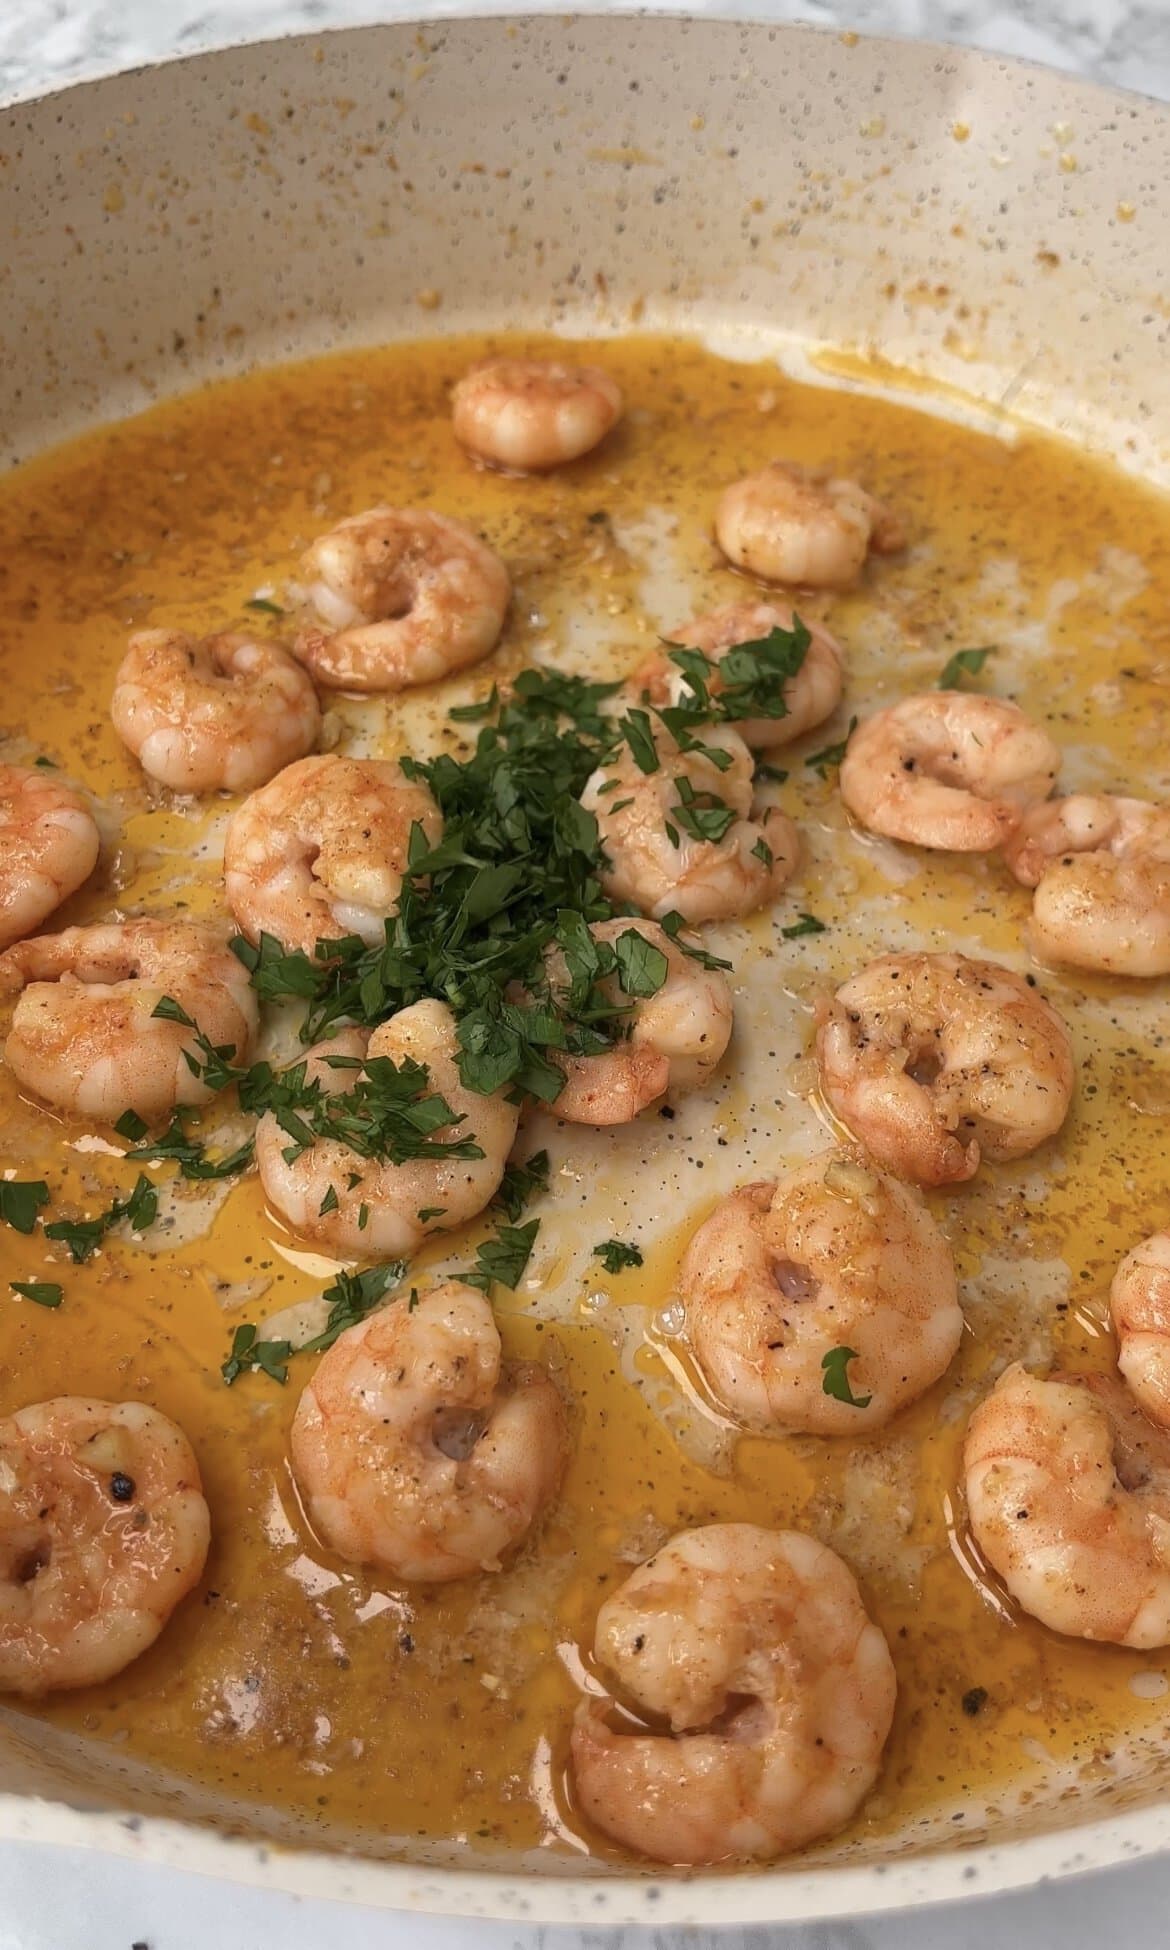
807 924
266 1357
45 1293
673 925
84 1236
519 1184
964 663
175 1146
504 1258
351 1297
641 967
825 761
615 1255
836 1382
262 604
20 1201
131 1126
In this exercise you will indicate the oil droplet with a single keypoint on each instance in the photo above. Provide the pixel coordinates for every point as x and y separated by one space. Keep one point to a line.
672 1318
960 131
1126 213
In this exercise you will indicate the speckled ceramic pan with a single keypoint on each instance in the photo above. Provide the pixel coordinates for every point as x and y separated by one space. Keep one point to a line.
996 229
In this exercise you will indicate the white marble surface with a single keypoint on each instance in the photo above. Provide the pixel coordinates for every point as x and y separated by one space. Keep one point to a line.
67 1900
51 41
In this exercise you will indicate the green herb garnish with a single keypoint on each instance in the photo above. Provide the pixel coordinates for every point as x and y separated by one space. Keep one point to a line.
44 1293
20 1201
836 1381
964 663
827 760
615 1255
807 924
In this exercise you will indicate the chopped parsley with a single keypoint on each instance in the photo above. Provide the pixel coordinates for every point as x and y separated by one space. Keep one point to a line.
177 1147
20 1201
502 1260
827 760
615 1255
84 1236
265 1357
519 1184
836 1381
265 607
807 924
44 1293
964 663
351 1297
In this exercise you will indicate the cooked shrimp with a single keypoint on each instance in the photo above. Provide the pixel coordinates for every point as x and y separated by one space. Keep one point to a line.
320 851
675 1039
85 1036
418 1449
402 597
655 864
49 845
1101 869
755 1648
803 700
366 1207
529 415
934 1061
103 1529
947 770
1068 1490
785 525
833 1259
221 714
1140 1303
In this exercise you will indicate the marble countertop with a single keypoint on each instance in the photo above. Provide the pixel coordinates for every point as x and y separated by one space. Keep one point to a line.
46 42
67 1900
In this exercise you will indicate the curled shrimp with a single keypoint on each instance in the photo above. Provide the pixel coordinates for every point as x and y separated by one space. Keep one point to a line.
85 1034
1139 1300
1100 866
402 597
418 1449
320 851
776 1690
785 525
49 845
1068 1492
675 1036
936 1061
103 1529
947 770
217 714
809 696
833 1260
656 860
530 415
366 1207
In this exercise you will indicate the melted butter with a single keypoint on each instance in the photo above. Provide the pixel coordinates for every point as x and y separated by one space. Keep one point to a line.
393 1718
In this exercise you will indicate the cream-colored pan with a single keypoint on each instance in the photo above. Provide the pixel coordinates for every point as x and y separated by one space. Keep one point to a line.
195 219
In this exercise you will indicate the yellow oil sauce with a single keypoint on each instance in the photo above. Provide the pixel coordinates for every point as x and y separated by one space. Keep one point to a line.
402 1718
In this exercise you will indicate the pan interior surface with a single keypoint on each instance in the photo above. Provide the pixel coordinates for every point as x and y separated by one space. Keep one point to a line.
853 253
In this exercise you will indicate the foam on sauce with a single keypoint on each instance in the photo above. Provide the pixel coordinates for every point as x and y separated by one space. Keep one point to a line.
399 1719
